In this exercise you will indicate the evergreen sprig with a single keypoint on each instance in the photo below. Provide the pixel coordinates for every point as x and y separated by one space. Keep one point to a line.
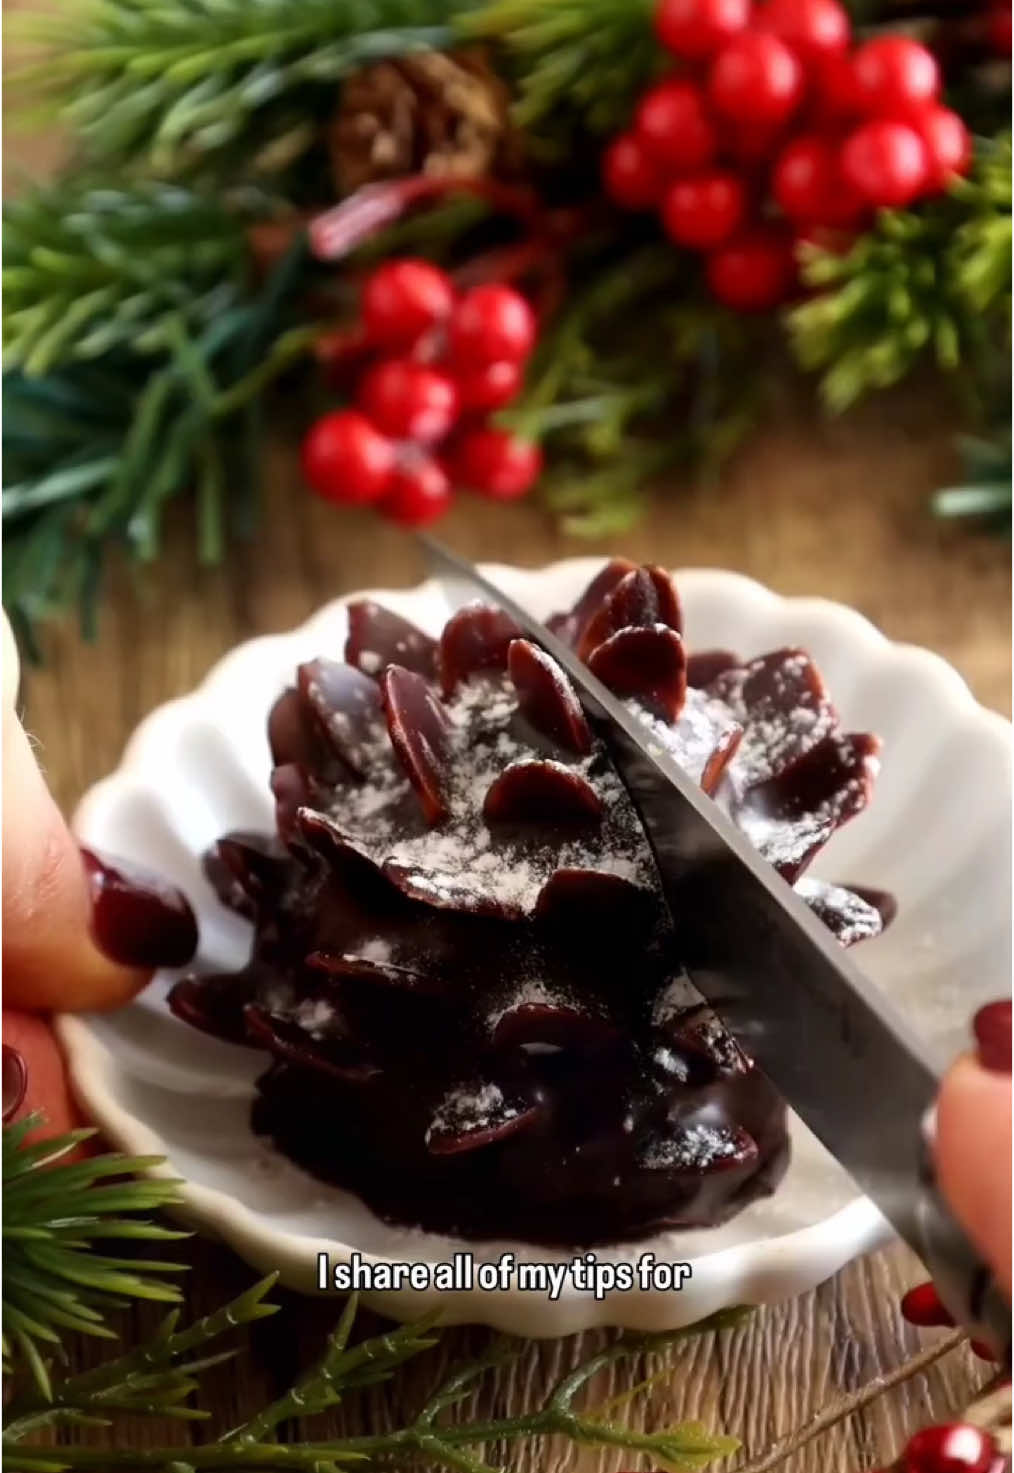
180 86
639 375
984 495
157 1378
55 1213
575 62
929 283
95 451
88 270
54 1282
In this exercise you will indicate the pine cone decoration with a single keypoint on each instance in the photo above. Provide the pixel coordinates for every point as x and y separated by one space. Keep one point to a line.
431 112
462 964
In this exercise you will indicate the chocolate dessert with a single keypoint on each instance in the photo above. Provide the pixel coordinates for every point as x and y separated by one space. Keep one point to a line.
462 966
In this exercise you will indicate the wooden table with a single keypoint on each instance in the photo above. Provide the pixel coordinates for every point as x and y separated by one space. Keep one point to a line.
809 507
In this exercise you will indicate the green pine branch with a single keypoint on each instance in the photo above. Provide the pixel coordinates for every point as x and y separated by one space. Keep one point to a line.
182 86
576 63
55 1215
55 1211
155 1379
984 495
95 451
929 283
89 271
640 375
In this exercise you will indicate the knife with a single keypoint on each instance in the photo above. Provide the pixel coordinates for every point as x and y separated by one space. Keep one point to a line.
832 1043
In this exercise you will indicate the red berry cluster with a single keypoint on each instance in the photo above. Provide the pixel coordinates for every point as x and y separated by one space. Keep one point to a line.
775 129
442 361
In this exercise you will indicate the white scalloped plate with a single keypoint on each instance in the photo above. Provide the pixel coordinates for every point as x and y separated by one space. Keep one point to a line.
937 835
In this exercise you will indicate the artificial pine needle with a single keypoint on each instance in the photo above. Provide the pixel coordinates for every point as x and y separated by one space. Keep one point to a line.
52 1289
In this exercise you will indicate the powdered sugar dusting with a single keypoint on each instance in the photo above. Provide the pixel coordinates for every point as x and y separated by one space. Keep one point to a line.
788 834
779 701
694 1148
376 950
676 997
704 728
463 861
471 1108
315 1015
850 916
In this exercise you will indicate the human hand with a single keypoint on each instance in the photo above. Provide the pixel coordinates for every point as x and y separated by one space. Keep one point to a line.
79 932
973 1139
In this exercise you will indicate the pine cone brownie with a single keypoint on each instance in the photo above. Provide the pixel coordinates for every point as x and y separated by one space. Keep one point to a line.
462 966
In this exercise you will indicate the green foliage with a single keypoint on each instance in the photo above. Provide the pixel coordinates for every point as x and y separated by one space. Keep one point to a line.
54 1281
55 1213
575 62
985 493
157 1378
640 375
139 340
185 85
88 270
95 451
929 283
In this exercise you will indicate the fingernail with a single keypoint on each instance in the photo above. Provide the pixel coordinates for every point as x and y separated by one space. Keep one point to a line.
991 1026
15 1082
138 919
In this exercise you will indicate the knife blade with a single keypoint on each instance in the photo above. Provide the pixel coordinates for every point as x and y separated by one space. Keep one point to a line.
832 1043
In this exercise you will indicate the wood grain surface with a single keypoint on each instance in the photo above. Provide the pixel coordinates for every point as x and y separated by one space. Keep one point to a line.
809 507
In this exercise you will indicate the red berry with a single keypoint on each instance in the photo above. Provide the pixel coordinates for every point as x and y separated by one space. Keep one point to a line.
953 1447
754 272
885 163
496 463
812 28
408 400
674 129
492 323
803 178
808 185
403 299
750 146
833 99
693 29
982 1350
346 460
756 79
702 211
490 386
420 493
948 145
998 30
923 1306
629 177
894 77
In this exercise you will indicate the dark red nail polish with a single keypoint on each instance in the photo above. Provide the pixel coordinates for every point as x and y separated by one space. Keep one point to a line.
923 1306
15 1082
991 1026
138 919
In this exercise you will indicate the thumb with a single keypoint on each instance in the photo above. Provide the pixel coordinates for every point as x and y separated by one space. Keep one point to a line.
79 932
973 1140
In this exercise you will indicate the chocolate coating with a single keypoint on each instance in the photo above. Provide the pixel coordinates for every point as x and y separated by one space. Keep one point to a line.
462 964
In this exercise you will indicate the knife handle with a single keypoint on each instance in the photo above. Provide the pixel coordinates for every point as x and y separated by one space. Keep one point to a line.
962 1277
